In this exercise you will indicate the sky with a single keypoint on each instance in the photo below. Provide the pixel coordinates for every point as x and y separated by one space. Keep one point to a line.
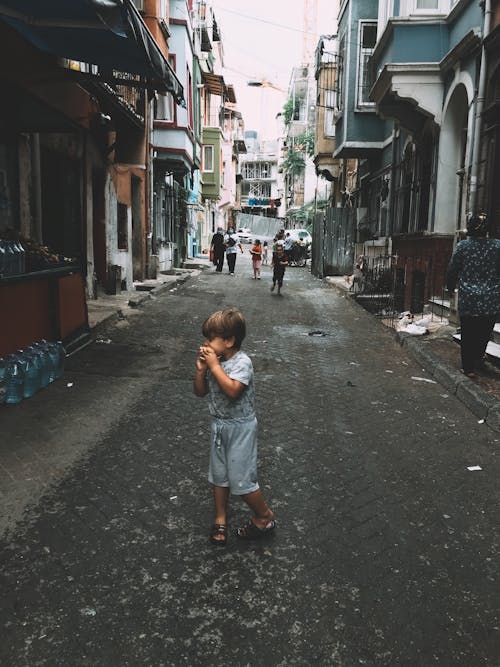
263 40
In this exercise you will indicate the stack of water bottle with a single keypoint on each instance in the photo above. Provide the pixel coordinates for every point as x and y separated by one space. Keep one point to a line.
27 371
12 258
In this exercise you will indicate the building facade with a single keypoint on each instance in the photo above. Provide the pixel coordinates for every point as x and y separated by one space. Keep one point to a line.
414 105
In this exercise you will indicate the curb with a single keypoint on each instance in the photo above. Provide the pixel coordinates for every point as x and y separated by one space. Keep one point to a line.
478 401
136 300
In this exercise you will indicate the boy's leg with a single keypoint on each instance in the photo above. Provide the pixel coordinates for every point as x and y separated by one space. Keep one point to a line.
262 514
221 495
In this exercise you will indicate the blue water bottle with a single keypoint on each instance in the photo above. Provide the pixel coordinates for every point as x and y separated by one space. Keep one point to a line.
3 380
53 350
61 359
42 351
2 258
31 374
15 380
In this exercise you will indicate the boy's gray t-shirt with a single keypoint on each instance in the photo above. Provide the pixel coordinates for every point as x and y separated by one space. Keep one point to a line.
240 368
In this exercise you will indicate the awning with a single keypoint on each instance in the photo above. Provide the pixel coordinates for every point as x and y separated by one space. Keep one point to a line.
214 83
108 33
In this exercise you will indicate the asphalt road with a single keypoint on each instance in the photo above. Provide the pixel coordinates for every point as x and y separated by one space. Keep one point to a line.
386 551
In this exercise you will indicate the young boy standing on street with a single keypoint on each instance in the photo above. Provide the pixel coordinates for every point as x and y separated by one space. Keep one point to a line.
226 373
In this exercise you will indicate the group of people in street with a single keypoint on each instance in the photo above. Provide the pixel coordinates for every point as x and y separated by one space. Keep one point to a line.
225 245
228 244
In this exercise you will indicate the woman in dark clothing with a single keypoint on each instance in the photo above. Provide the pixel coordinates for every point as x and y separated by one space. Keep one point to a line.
218 248
475 266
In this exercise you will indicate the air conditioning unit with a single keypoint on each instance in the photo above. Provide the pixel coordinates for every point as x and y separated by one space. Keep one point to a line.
139 4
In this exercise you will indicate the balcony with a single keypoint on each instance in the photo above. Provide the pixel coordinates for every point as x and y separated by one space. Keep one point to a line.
410 93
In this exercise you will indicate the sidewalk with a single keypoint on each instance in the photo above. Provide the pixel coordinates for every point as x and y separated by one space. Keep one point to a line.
439 355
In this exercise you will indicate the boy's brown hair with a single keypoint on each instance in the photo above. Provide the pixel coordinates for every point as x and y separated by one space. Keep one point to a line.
225 323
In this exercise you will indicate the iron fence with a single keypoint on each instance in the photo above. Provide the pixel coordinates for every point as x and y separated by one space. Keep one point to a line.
389 285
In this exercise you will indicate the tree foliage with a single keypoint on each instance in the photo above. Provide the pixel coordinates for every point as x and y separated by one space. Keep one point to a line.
294 163
305 142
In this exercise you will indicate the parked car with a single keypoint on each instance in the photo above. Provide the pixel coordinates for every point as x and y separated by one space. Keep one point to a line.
244 235
301 235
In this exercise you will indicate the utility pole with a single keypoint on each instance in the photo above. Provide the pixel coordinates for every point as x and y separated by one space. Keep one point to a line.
310 31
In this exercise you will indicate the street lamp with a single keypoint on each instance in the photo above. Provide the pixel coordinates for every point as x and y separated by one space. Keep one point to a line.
263 83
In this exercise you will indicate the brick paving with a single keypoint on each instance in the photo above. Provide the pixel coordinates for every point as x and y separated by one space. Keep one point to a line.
386 551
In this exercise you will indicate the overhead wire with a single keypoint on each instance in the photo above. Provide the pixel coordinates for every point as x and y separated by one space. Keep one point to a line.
261 20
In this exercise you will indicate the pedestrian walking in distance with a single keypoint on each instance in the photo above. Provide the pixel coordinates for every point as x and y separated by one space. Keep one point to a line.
288 245
232 244
265 251
225 373
217 247
279 265
475 266
256 252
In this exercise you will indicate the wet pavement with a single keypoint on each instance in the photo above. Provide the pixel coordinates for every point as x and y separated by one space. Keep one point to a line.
386 551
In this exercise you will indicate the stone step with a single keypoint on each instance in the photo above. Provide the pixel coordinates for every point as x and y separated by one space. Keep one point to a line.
441 308
492 349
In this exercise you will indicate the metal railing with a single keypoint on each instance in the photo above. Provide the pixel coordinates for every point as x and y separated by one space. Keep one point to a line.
388 285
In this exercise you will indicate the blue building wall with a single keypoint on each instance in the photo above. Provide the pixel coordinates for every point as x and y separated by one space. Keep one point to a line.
356 125
470 17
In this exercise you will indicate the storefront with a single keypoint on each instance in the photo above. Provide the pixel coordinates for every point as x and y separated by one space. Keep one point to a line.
48 305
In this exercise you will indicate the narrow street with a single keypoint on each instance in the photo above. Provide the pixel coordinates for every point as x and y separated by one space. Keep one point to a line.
386 550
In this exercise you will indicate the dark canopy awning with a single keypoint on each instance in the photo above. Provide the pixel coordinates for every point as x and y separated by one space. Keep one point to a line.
108 33
214 83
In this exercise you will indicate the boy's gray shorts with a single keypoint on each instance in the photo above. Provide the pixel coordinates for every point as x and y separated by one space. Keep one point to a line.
233 455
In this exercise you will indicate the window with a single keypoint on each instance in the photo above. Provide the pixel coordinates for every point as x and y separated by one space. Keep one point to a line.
256 170
339 101
208 158
256 190
329 127
367 41
164 107
409 7
189 98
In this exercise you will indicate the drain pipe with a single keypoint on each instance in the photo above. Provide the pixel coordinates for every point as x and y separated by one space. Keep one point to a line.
479 109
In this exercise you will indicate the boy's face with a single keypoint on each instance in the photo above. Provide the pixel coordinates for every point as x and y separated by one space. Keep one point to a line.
219 345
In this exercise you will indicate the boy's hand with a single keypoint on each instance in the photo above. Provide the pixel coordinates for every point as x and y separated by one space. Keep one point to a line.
208 356
200 363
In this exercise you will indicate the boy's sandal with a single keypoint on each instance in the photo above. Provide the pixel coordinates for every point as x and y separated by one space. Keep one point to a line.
218 534
252 532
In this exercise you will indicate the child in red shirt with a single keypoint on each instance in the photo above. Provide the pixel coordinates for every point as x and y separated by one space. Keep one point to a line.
256 253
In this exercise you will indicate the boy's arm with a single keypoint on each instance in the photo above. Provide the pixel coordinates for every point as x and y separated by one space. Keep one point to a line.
200 383
232 388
